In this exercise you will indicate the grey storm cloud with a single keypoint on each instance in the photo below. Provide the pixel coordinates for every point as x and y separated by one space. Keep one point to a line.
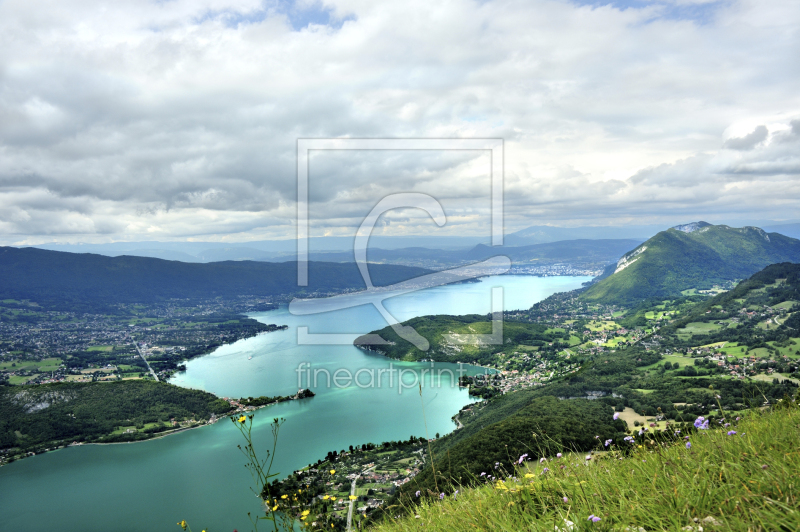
160 120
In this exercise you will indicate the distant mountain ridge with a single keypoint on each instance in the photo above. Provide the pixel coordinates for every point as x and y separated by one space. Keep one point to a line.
57 277
696 255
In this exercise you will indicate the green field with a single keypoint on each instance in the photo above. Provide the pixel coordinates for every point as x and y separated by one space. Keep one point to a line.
698 327
100 348
47 364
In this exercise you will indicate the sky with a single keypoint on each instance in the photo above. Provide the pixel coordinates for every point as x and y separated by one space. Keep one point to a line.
178 120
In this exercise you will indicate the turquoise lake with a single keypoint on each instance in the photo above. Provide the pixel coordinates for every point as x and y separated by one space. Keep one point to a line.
199 475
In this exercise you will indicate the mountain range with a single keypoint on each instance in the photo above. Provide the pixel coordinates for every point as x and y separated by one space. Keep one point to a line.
53 277
691 256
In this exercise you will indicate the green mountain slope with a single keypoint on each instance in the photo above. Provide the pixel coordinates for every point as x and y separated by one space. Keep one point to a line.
55 277
696 255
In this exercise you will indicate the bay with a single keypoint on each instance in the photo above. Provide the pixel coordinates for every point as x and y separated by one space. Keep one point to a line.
198 475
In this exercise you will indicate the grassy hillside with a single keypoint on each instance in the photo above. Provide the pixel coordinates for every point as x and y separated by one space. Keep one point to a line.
676 260
740 478
53 277
542 427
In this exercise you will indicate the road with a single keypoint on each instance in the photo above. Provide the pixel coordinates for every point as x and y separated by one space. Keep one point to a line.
352 505
153 373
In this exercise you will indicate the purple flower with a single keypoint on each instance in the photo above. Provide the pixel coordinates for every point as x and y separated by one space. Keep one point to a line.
441 496
545 470
688 445
738 418
455 494
565 499
483 474
558 455
616 415
607 443
727 425
593 518
542 459
522 458
628 439
731 432
701 423
677 432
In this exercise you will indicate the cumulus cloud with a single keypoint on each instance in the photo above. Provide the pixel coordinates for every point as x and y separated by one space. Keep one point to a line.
161 120
748 142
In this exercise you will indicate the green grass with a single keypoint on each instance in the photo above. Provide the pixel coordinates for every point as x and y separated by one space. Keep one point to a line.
699 328
746 481
100 348
47 364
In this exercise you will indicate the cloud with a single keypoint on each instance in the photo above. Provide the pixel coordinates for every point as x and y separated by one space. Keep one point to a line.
748 142
143 120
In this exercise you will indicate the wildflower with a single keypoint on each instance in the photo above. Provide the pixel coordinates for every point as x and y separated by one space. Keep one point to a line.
417 494
182 524
274 508
284 496
242 419
607 443
522 458
326 497
731 432
541 460
483 474
738 418
688 445
727 425
628 439
593 518
333 471
545 470
588 456
652 424
558 455
305 512
677 432
765 466
565 499
441 496
701 423
616 415
455 494
528 475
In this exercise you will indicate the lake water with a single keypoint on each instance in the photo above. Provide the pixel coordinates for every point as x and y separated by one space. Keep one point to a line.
199 476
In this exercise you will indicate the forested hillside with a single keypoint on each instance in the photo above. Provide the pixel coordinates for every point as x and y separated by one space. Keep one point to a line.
56 414
56 277
696 256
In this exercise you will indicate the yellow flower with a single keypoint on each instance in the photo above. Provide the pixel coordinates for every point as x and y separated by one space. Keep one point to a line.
274 507
303 518
333 471
333 499
284 496
242 419
326 497
353 497
528 475
299 491
306 512
182 524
